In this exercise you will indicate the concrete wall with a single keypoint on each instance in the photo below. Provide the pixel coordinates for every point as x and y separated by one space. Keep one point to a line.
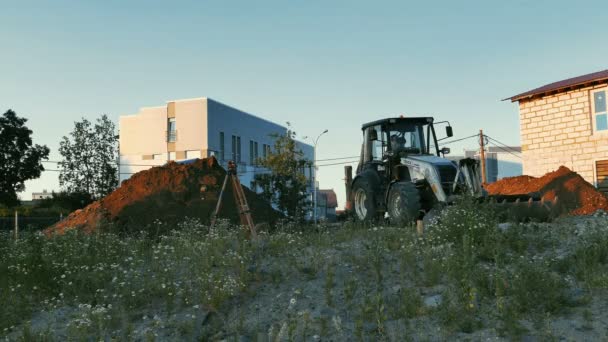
558 130
231 121
191 125
499 164
143 133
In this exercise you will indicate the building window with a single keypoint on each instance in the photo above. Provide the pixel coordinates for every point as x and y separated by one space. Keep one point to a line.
222 146
233 148
600 115
238 149
171 131
265 151
255 151
251 156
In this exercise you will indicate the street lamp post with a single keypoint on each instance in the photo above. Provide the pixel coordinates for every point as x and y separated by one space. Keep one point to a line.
314 176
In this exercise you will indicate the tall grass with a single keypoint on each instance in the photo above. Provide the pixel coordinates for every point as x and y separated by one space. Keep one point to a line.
343 281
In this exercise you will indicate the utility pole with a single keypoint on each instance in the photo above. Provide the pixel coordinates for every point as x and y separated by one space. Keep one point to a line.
16 225
482 154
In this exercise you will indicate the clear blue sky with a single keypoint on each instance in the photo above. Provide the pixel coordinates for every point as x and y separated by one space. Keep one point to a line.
317 64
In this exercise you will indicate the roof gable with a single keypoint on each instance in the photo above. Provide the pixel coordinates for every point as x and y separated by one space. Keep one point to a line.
563 85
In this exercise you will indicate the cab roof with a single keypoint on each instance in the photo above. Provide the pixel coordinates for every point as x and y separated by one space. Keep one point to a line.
414 120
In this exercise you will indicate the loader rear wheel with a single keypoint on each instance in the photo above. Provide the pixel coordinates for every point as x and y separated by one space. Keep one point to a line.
363 201
403 203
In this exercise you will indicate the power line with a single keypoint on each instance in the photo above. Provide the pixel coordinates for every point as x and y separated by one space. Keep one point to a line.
121 164
337 158
504 149
153 165
342 163
122 173
457 140
509 147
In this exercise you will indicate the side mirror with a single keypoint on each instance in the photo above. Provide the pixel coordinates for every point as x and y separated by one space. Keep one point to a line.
373 135
445 150
449 132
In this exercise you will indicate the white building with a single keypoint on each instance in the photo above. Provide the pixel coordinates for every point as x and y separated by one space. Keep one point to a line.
501 162
36 196
197 128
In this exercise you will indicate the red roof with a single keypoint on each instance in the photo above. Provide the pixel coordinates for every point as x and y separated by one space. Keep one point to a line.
564 85
332 199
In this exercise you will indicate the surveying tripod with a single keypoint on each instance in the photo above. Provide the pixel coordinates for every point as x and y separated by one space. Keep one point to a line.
239 199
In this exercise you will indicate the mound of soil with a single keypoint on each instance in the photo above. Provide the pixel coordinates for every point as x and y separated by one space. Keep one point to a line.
575 195
168 194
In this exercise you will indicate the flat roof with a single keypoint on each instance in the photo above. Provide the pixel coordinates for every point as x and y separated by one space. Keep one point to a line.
563 85
419 119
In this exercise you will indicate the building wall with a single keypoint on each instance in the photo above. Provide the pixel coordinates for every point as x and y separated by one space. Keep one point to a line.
509 165
499 164
558 130
191 125
144 132
231 121
142 140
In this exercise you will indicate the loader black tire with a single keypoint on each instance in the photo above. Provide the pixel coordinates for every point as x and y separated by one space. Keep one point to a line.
403 203
364 204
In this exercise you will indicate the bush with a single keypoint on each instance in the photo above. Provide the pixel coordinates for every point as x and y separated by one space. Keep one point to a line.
469 225
535 288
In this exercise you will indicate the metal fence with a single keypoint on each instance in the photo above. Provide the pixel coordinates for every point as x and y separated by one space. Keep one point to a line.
27 223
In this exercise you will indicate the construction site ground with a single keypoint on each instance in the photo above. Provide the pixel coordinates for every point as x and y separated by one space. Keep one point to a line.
468 276
342 282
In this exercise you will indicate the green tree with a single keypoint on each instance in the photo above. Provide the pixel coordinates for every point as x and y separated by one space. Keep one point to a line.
285 184
89 158
19 159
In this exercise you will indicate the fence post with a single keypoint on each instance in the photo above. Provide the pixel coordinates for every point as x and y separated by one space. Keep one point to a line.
16 225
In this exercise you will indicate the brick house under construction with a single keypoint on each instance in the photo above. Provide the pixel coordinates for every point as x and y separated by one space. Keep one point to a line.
566 123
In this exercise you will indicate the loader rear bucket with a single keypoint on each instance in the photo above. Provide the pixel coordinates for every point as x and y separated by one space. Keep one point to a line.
529 207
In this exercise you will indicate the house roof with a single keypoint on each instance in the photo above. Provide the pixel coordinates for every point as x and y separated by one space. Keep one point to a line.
332 199
563 85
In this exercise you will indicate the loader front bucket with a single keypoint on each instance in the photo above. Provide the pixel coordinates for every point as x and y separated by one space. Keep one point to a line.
528 207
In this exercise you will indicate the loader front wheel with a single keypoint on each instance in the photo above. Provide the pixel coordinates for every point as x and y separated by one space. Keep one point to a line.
403 203
363 201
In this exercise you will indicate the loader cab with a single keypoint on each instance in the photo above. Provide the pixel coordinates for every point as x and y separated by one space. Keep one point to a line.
398 137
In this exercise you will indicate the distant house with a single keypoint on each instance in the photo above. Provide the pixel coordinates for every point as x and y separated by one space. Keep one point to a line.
327 202
37 196
501 162
566 123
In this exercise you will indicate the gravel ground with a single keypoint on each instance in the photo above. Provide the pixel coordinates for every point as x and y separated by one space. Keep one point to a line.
331 291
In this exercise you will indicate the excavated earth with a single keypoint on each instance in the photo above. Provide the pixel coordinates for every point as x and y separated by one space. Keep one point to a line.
167 193
575 195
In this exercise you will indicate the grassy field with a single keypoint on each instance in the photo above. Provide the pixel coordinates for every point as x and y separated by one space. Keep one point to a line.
467 277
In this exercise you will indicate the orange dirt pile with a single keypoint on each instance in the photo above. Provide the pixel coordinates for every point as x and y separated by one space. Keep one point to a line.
575 195
167 193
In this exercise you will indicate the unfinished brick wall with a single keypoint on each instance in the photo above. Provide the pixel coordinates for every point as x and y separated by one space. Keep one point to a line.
558 130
